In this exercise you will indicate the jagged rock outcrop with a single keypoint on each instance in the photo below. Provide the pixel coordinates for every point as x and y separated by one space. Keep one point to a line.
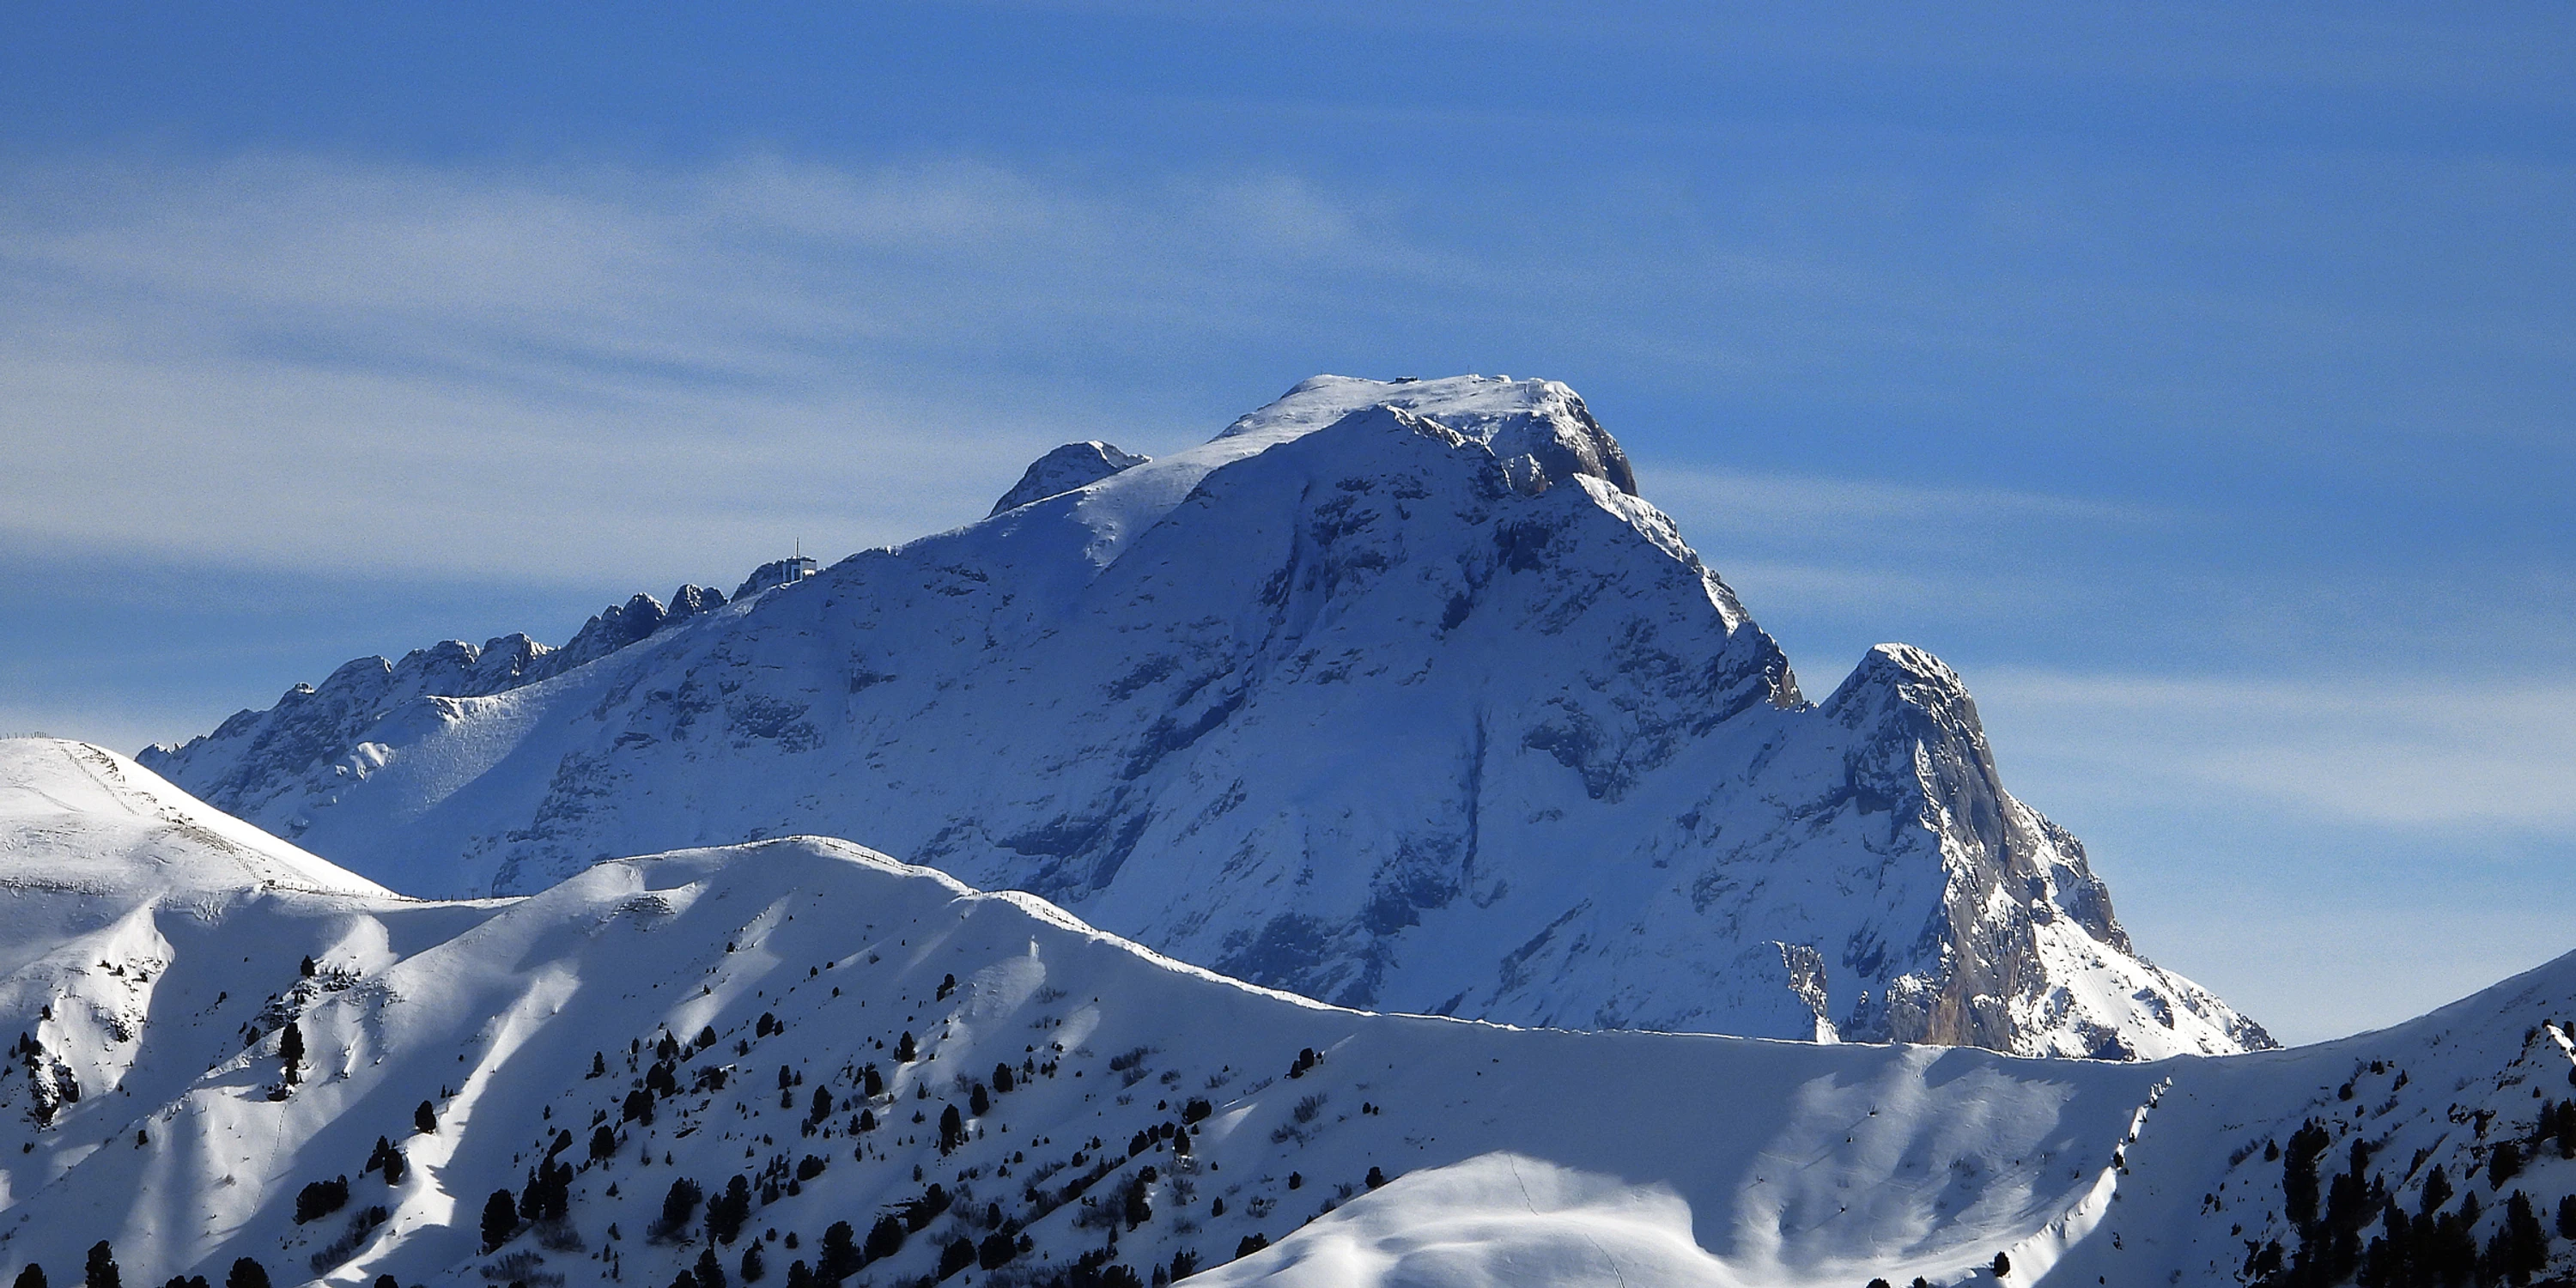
319 739
1394 694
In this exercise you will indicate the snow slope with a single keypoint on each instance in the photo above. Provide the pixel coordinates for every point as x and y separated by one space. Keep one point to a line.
75 817
1394 694
1506 1156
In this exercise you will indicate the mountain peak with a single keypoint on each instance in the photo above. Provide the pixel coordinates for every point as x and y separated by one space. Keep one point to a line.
1064 469
1902 673
1392 694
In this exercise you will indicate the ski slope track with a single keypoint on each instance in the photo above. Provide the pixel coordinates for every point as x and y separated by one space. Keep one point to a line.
743 1012
1394 694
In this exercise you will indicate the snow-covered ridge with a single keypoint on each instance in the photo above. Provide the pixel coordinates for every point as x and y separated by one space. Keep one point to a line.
716 1013
76 817
1392 694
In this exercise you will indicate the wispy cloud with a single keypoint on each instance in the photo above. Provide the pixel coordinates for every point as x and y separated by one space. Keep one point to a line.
1847 513
280 360
2396 750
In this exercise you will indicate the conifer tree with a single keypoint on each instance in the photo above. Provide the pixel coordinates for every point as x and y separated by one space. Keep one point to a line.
425 1119
2002 1266
500 1219
2437 1190
752 1266
727 1211
885 1239
995 1250
100 1271
246 1273
2299 1172
710 1272
840 1256
2504 1164
2525 1245
679 1206
290 1052
904 1049
31 1277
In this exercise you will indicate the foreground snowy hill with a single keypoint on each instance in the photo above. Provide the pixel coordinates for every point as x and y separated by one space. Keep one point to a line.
798 1034
1394 694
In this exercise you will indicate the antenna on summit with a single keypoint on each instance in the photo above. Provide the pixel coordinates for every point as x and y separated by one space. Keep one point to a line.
780 572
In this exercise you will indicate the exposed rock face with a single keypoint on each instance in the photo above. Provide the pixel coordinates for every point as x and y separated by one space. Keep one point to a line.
1394 694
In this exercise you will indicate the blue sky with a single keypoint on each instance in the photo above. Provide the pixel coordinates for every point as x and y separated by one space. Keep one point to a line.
2197 381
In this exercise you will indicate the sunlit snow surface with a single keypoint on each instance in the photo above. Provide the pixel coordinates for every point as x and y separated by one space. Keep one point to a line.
1512 1156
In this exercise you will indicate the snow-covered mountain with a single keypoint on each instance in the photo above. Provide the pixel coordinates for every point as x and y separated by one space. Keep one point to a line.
808 1034
1394 694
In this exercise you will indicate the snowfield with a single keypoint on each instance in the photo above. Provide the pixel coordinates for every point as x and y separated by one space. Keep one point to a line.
1394 693
737 1018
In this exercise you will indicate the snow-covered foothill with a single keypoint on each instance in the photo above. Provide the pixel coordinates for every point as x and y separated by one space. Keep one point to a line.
1394 693
744 1011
